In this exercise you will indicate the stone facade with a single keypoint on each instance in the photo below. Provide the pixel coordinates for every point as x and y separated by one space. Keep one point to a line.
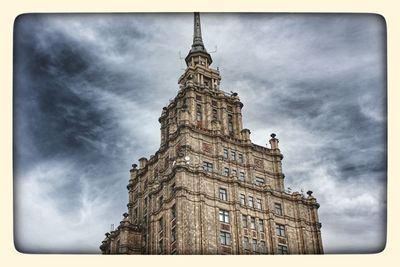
209 189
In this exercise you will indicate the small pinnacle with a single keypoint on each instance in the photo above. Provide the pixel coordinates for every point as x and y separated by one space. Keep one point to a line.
273 135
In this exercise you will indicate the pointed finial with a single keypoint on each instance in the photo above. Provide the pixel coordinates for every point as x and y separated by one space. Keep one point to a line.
197 39
198 45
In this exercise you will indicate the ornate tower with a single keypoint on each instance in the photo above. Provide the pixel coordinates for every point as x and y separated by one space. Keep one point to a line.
209 189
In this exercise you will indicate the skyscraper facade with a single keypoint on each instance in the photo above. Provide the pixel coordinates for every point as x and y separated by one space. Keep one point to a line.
208 189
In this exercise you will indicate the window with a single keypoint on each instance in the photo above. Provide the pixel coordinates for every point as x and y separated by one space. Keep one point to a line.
244 221
234 173
207 166
144 238
160 224
198 112
198 97
213 103
260 181
240 158
258 204
252 223
173 189
118 248
254 245
261 225
282 249
173 234
223 195
245 242
225 238
160 202
230 123
136 213
233 155
225 153
173 212
241 176
145 220
251 202
280 230
145 205
224 216
242 199
226 171
263 247
215 114
161 246
278 209
230 109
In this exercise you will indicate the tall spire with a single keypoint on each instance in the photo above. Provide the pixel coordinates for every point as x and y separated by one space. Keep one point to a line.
197 40
198 48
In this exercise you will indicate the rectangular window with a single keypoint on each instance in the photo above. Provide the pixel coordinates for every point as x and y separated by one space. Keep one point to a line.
173 212
245 242
230 123
240 158
145 205
251 202
263 247
161 202
260 181
224 216
225 153
244 221
278 209
252 223
173 189
161 246
213 103
223 194
136 213
258 204
233 155
225 238
282 249
254 245
261 225
145 220
198 97
226 171
241 176
198 112
207 166
215 114
173 234
280 230
242 199
160 224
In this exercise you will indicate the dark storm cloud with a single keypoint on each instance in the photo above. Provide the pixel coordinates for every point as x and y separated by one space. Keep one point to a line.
88 90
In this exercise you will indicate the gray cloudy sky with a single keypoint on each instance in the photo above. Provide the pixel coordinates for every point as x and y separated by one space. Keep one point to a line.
88 91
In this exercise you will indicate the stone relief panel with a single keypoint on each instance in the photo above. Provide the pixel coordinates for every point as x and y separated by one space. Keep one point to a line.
259 163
